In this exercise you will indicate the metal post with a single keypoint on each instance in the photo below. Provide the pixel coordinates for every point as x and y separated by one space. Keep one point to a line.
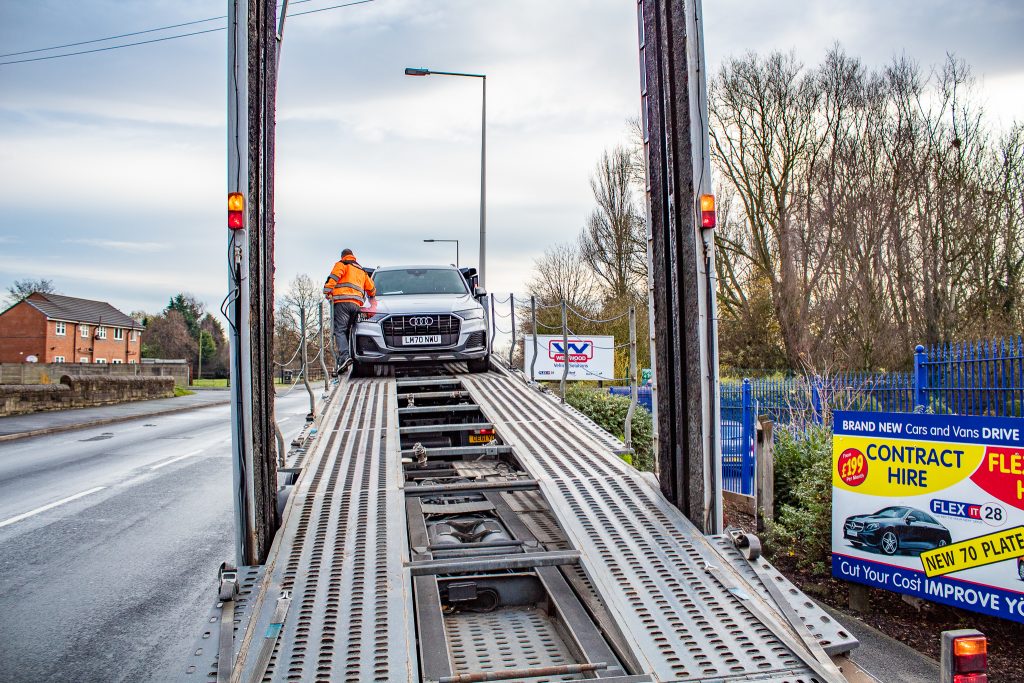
920 379
238 285
683 329
483 185
632 378
565 350
334 342
816 399
494 328
305 362
533 361
747 434
323 350
512 309
279 437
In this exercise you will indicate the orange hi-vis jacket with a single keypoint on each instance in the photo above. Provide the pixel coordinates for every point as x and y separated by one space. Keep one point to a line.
349 282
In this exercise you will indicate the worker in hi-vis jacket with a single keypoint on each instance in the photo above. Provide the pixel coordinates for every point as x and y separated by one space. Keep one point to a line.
348 287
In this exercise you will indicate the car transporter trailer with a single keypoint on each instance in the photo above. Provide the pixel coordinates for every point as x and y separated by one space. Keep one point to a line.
540 556
390 546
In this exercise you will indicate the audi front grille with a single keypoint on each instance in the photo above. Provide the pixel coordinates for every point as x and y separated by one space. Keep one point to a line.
397 326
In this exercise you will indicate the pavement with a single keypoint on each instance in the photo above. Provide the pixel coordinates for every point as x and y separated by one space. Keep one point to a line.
885 659
110 539
54 421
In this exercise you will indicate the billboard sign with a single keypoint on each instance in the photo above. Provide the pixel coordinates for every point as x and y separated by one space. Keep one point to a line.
590 358
931 506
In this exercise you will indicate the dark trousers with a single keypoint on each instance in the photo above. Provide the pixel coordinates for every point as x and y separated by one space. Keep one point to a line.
344 319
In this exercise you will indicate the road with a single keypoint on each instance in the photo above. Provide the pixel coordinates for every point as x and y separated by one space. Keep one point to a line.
110 539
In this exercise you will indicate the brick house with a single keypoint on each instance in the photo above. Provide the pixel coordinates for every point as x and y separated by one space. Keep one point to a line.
64 329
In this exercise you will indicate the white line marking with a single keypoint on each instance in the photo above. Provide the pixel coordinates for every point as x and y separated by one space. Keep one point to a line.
50 506
165 463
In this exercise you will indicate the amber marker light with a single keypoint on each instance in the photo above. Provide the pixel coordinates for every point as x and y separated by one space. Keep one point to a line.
236 210
707 211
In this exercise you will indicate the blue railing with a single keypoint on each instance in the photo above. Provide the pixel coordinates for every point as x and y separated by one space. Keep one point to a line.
971 378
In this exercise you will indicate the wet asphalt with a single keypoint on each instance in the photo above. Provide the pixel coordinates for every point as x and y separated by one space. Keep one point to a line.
110 539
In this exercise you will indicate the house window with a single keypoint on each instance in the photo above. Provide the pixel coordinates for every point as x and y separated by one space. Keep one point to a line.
135 335
131 361
101 361
83 359
118 333
117 361
101 332
58 359
84 331
61 330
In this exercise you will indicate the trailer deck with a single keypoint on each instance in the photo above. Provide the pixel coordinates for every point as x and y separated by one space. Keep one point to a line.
469 527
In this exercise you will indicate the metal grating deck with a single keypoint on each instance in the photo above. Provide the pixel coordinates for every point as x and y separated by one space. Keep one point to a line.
643 557
508 638
340 554
829 633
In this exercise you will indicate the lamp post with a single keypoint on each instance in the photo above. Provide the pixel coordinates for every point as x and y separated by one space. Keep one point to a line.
481 267
456 249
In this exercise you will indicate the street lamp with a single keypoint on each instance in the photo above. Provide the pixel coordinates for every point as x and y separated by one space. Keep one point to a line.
483 158
456 249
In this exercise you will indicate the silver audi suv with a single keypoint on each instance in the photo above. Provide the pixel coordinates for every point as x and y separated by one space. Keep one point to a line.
423 314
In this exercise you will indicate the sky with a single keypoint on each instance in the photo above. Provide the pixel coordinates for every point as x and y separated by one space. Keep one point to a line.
113 164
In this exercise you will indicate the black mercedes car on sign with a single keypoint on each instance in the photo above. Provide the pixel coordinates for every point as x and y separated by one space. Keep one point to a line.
896 528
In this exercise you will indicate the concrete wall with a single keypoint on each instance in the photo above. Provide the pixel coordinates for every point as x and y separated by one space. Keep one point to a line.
81 392
50 373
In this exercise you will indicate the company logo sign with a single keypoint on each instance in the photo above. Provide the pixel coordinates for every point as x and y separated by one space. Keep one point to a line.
421 321
580 350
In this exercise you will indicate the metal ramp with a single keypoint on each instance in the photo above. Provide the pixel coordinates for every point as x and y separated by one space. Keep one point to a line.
536 556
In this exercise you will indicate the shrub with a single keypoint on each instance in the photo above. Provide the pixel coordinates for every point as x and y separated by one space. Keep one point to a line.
795 450
803 526
609 412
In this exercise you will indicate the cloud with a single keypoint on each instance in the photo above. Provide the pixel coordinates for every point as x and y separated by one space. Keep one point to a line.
130 144
115 245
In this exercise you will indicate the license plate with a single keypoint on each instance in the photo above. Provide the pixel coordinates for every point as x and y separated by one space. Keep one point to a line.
850 532
421 339
481 438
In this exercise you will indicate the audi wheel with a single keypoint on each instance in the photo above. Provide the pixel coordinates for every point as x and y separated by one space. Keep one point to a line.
890 543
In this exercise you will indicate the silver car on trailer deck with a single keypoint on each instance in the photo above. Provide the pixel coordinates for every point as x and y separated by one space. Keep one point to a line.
423 314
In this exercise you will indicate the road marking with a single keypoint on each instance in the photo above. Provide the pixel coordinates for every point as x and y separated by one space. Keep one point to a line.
165 463
50 506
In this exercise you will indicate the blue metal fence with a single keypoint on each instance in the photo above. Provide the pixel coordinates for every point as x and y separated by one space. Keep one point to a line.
970 378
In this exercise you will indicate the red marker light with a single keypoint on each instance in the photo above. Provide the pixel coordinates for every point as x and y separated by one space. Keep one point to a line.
707 211
236 210
970 659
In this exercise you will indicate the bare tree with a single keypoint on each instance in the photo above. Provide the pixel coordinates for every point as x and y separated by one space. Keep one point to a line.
874 210
614 243
20 289
561 274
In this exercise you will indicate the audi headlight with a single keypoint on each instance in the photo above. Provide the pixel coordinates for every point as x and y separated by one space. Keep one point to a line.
471 314
370 317
872 526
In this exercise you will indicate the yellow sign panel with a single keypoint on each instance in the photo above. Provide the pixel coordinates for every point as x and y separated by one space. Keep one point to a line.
974 552
883 466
